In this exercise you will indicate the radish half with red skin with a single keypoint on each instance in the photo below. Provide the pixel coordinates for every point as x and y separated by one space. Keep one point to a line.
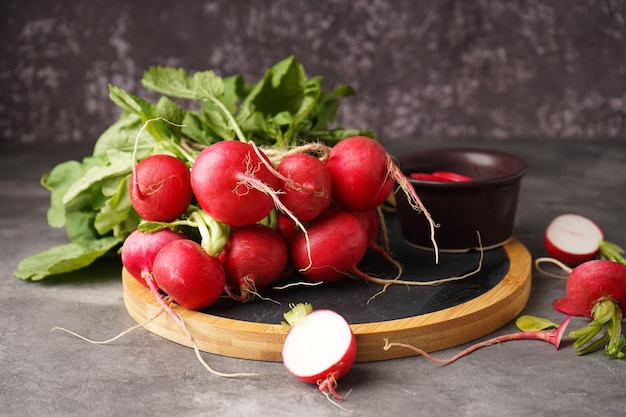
253 258
140 248
188 274
232 184
320 347
573 239
160 188
597 289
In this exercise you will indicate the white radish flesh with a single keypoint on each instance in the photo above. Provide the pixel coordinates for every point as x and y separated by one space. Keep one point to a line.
573 239
320 348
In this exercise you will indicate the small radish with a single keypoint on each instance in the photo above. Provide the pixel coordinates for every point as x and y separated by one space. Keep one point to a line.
337 243
254 257
573 239
188 274
306 189
597 289
160 188
285 227
359 172
363 175
139 253
232 184
320 347
140 248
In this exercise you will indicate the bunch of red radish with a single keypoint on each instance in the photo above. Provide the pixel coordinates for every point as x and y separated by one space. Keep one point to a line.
324 215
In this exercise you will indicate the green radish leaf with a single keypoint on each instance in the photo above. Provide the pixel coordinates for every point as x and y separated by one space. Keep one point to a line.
64 258
534 324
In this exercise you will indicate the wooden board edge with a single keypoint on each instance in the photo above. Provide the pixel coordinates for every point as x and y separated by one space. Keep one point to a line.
262 341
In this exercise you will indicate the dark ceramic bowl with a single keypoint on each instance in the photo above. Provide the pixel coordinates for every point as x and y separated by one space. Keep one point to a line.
486 204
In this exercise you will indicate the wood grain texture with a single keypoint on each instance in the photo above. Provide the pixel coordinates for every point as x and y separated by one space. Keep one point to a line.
433 331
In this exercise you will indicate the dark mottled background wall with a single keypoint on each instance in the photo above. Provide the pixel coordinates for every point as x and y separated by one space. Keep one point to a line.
437 69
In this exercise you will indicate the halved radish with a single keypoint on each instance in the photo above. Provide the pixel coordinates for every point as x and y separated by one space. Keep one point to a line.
320 347
573 239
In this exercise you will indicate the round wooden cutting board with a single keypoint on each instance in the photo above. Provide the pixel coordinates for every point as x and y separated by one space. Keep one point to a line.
429 317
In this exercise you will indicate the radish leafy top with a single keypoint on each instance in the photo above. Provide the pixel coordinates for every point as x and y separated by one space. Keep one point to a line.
90 198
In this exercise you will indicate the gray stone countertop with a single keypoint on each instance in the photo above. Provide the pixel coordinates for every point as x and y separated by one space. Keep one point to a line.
49 373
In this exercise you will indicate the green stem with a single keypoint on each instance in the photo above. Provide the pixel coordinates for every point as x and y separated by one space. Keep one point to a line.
606 315
231 119
612 252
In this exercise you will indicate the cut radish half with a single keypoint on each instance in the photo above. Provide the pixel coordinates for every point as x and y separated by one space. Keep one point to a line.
573 239
320 347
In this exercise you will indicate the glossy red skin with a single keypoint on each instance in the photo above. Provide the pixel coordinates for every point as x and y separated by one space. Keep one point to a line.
256 253
140 248
594 281
338 242
163 188
369 220
336 370
219 176
286 228
359 173
184 271
312 192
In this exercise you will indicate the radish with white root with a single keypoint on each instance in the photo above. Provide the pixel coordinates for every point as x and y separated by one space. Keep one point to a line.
254 257
596 289
532 328
363 175
320 347
574 239
160 188
233 184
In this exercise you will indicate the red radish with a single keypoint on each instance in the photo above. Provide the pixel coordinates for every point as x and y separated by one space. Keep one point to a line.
573 239
370 221
189 275
597 289
232 184
423 176
442 176
550 335
359 173
285 227
363 175
253 258
337 243
451 176
320 347
140 248
160 188
307 188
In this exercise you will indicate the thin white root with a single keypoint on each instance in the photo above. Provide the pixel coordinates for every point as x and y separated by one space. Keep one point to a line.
566 269
414 201
104 342
388 282
298 284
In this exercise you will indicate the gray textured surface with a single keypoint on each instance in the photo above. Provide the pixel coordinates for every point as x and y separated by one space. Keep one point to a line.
44 373
422 69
